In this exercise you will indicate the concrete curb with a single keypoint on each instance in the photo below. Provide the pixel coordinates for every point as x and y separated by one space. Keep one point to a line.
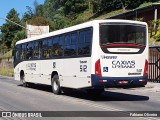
154 86
7 77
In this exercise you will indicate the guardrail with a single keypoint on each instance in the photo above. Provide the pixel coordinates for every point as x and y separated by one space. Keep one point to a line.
154 64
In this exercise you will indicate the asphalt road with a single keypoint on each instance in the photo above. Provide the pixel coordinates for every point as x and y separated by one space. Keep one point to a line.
15 97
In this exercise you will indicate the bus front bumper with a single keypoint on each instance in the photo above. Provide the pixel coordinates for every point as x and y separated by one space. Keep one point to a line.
118 82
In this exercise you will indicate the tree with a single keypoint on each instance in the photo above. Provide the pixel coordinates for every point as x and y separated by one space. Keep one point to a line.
18 36
9 29
128 4
39 10
39 21
50 8
28 15
100 6
61 22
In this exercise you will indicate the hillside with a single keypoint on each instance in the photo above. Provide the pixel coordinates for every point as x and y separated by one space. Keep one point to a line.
59 14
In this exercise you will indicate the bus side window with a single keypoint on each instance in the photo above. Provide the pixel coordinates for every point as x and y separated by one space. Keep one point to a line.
50 44
88 36
74 39
33 48
17 53
20 52
85 38
27 51
55 46
67 48
39 49
71 44
23 52
60 44
29 48
68 39
44 49
36 51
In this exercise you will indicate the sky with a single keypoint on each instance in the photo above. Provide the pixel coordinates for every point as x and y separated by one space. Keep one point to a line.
18 5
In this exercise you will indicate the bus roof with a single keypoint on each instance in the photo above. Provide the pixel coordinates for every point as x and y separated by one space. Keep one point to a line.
76 27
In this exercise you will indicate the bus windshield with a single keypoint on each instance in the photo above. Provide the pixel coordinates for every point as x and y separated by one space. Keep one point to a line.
122 33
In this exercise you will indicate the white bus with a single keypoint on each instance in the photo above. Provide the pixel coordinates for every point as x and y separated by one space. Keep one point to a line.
93 56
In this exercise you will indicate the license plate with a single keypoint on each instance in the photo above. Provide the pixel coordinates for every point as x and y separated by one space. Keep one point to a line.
122 82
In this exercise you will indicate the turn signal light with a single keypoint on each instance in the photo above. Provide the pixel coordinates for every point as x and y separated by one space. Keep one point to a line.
145 68
98 68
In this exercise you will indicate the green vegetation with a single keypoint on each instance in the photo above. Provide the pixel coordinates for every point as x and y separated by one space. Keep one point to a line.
109 14
145 4
6 55
154 31
10 30
6 72
59 14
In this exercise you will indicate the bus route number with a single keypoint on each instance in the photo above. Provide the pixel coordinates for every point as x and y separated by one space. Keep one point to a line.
83 68
54 64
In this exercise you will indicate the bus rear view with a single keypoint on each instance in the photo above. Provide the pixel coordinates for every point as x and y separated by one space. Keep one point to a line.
122 59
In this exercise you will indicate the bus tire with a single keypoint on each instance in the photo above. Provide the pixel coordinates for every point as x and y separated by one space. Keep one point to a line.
56 85
22 78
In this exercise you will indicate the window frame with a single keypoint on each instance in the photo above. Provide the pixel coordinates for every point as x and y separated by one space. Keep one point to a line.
60 43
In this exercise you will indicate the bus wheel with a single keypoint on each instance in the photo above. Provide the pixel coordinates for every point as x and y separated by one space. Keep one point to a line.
23 80
56 85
